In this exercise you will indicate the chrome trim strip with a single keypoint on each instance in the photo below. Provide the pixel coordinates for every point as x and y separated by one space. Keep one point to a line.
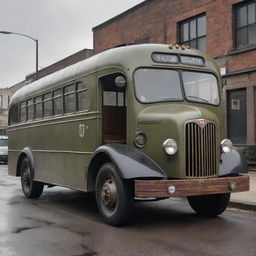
56 151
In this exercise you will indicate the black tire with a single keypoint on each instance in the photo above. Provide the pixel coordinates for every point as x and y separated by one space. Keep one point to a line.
114 196
30 188
209 205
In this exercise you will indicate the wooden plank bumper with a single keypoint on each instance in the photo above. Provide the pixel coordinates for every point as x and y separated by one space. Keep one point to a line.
190 187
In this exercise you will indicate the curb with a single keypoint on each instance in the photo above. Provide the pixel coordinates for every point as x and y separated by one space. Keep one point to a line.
242 206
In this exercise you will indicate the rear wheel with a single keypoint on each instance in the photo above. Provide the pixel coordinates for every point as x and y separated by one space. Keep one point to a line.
209 205
30 188
114 196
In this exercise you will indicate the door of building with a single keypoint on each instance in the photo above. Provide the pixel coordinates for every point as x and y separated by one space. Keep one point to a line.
237 116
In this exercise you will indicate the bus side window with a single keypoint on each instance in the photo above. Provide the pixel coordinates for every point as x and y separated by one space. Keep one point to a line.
30 109
47 104
23 112
14 114
57 102
83 99
38 107
69 99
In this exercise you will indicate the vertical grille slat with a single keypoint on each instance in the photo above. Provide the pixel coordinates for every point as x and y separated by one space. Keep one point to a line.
200 150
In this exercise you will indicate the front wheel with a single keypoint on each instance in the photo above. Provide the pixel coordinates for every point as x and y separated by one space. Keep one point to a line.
114 196
209 205
30 188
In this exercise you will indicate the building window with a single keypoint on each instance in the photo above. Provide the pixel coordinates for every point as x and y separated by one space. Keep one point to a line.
245 24
193 32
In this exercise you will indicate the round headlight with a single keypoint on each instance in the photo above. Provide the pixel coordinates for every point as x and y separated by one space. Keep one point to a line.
170 146
226 145
140 140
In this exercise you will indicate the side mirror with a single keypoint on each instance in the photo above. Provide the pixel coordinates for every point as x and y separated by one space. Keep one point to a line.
120 81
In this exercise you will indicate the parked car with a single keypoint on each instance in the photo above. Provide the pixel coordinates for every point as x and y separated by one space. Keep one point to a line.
4 149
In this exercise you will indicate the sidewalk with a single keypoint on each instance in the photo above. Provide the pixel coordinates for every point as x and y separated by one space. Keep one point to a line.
245 200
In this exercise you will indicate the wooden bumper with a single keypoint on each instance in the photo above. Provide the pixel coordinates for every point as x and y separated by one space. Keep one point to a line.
191 187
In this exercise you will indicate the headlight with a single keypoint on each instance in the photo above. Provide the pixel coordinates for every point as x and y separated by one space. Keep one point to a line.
170 146
140 140
2 153
226 145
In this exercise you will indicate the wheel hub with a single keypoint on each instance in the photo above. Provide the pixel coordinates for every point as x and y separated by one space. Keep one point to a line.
26 178
109 193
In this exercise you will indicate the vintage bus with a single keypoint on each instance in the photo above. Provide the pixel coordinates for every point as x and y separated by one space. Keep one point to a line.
133 122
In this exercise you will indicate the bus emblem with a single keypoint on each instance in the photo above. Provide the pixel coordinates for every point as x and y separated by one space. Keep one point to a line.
81 130
201 122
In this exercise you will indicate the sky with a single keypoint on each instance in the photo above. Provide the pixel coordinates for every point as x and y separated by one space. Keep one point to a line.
62 28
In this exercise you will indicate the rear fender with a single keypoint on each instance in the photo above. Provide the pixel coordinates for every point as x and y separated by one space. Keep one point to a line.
26 152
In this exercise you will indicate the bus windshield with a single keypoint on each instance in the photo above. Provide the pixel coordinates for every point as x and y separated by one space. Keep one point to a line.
201 87
155 85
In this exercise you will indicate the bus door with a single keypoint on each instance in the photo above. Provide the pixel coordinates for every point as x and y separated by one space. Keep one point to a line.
113 111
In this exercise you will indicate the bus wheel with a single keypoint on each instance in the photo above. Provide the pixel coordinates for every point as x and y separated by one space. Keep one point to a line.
113 195
30 188
209 205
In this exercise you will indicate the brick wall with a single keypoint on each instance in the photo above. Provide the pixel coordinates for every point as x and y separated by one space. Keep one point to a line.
156 21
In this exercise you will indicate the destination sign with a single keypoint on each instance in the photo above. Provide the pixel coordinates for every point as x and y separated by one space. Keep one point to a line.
165 58
191 60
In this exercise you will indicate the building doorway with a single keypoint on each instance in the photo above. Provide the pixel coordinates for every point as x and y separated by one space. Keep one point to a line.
237 116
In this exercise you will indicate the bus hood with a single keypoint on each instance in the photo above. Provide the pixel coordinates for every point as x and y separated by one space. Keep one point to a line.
177 112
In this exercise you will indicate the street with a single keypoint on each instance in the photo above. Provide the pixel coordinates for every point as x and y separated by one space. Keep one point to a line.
66 222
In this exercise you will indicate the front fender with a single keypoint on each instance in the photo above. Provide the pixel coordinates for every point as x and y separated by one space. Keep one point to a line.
130 163
232 163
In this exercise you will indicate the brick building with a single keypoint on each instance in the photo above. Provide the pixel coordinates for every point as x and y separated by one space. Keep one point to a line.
225 29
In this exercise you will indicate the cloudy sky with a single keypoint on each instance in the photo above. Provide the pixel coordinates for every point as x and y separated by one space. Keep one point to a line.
62 27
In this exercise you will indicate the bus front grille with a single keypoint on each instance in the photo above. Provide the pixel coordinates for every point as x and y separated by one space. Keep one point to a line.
200 150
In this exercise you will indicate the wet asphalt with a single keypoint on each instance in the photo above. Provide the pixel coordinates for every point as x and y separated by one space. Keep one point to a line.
66 222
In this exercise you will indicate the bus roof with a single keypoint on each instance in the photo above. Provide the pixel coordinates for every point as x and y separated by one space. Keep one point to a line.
126 58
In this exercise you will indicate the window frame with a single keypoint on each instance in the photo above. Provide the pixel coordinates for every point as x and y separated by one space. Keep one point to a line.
68 93
55 98
197 37
81 90
247 26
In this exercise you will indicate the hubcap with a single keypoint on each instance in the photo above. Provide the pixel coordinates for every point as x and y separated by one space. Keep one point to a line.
108 193
26 178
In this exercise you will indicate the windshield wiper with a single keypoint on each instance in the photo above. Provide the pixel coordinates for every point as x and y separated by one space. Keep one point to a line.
198 98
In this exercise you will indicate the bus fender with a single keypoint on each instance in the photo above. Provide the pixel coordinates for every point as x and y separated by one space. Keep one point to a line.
26 152
130 163
232 163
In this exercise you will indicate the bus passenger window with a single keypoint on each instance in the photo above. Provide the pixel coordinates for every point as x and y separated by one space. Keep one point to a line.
57 102
30 107
14 114
47 104
23 112
83 100
38 107
69 99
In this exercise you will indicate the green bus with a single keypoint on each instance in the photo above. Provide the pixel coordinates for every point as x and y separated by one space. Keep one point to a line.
132 123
